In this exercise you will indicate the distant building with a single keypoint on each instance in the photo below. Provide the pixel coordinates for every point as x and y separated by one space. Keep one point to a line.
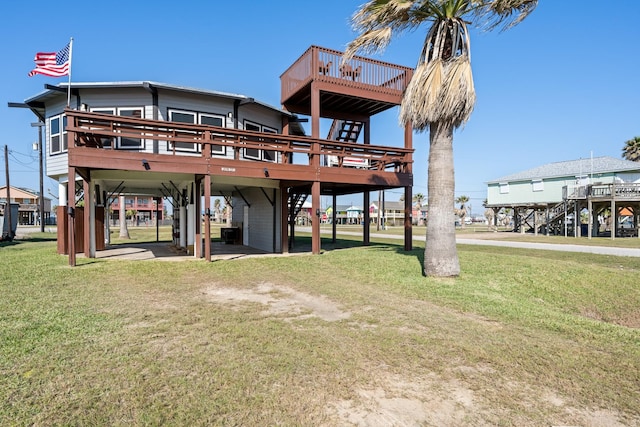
555 193
29 205
147 209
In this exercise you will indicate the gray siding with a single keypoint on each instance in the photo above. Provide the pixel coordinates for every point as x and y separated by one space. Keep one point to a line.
261 218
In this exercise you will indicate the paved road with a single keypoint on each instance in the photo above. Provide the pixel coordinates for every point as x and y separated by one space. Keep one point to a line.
471 240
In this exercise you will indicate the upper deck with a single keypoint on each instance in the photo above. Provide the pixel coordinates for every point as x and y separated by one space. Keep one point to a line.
361 86
91 147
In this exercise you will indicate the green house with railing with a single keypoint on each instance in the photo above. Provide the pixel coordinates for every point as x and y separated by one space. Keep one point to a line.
548 198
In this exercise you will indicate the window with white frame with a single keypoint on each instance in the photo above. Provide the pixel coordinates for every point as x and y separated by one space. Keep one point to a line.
122 142
257 154
58 134
213 120
537 185
183 117
194 117
130 143
504 188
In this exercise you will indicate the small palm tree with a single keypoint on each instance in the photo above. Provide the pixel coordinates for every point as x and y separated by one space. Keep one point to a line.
631 149
216 209
419 199
441 95
462 211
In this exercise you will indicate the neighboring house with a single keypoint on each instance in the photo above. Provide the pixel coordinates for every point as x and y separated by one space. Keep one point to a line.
29 205
345 214
187 145
556 191
419 215
147 209
392 213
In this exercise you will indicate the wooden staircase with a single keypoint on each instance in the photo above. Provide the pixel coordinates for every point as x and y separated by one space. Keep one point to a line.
345 130
553 221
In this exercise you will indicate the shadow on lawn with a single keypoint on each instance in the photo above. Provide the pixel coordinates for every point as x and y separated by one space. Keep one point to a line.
34 238
303 244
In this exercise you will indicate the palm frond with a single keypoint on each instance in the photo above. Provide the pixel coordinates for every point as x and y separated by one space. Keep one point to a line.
440 91
376 21
506 13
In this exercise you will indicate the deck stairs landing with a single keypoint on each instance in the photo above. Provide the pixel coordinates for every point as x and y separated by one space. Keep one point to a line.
345 130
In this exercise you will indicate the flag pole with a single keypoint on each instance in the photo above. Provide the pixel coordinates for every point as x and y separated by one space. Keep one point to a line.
70 63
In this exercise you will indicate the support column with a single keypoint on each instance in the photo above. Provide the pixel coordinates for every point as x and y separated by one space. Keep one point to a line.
614 218
315 224
197 221
89 223
315 163
408 232
334 217
207 217
408 191
366 217
71 203
590 224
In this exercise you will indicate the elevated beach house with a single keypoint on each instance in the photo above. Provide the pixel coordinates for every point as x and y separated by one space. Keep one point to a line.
595 193
186 145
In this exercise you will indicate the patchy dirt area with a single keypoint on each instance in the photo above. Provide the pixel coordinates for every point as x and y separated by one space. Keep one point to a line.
281 301
426 400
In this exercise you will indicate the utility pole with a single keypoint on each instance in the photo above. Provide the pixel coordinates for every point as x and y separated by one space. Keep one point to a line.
39 125
7 206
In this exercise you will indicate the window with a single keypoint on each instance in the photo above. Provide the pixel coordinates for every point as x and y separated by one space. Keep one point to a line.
197 118
183 117
106 142
504 188
251 153
58 134
254 153
537 185
122 142
130 143
582 180
213 120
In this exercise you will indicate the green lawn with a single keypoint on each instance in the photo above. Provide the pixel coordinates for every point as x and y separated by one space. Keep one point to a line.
355 336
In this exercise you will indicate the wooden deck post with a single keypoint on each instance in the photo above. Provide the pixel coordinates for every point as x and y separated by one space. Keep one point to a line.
207 217
86 232
71 223
408 193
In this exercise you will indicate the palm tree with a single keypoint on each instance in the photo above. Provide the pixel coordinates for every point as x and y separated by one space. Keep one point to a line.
631 149
462 212
124 231
440 96
216 210
419 199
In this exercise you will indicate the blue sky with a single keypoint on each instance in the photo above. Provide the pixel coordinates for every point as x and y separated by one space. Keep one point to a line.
563 85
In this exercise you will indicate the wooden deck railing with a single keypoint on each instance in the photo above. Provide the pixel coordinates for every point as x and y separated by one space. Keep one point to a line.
325 65
617 191
101 130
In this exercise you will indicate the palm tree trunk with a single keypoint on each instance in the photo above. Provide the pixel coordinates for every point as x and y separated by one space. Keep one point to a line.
440 253
124 231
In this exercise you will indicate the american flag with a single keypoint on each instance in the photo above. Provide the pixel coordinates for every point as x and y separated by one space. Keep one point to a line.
53 64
